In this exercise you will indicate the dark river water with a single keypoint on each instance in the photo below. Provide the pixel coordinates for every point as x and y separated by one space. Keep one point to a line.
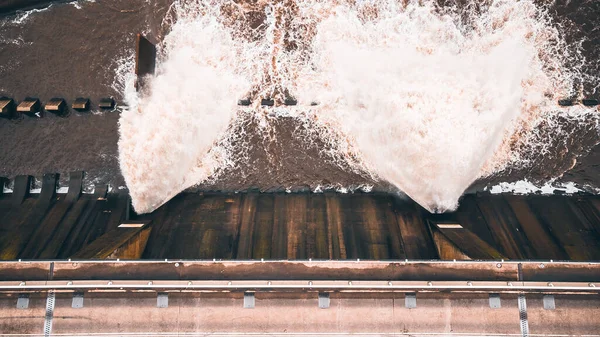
75 50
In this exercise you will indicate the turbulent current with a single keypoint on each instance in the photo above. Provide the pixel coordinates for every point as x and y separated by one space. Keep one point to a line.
426 97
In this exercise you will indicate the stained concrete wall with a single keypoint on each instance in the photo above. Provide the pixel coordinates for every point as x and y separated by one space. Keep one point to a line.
298 314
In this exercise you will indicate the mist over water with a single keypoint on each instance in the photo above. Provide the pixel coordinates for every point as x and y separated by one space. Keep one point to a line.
427 98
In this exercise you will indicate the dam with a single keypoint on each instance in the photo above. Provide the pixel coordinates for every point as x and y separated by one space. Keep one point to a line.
294 226
89 256
297 168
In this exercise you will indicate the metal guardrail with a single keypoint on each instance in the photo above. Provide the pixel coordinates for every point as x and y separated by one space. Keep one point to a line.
346 275
539 263
307 285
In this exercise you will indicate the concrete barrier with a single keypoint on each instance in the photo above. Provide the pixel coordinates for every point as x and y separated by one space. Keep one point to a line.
34 107
57 106
81 104
31 107
7 107
106 103
145 60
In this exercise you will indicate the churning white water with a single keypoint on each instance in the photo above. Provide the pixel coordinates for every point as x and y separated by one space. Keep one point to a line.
167 135
428 99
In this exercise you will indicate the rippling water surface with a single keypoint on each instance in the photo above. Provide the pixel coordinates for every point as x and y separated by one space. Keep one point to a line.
427 98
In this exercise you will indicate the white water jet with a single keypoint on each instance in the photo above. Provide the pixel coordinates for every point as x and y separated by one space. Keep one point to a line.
429 104
423 98
167 136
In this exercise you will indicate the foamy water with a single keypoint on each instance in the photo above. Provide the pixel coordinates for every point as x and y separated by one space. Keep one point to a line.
23 16
527 187
167 136
428 100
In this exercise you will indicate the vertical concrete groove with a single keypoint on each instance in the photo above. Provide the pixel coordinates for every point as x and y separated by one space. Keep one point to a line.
49 313
51 272
523 316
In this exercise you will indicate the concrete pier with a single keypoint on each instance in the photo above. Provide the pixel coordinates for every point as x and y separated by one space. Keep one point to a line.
145 60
